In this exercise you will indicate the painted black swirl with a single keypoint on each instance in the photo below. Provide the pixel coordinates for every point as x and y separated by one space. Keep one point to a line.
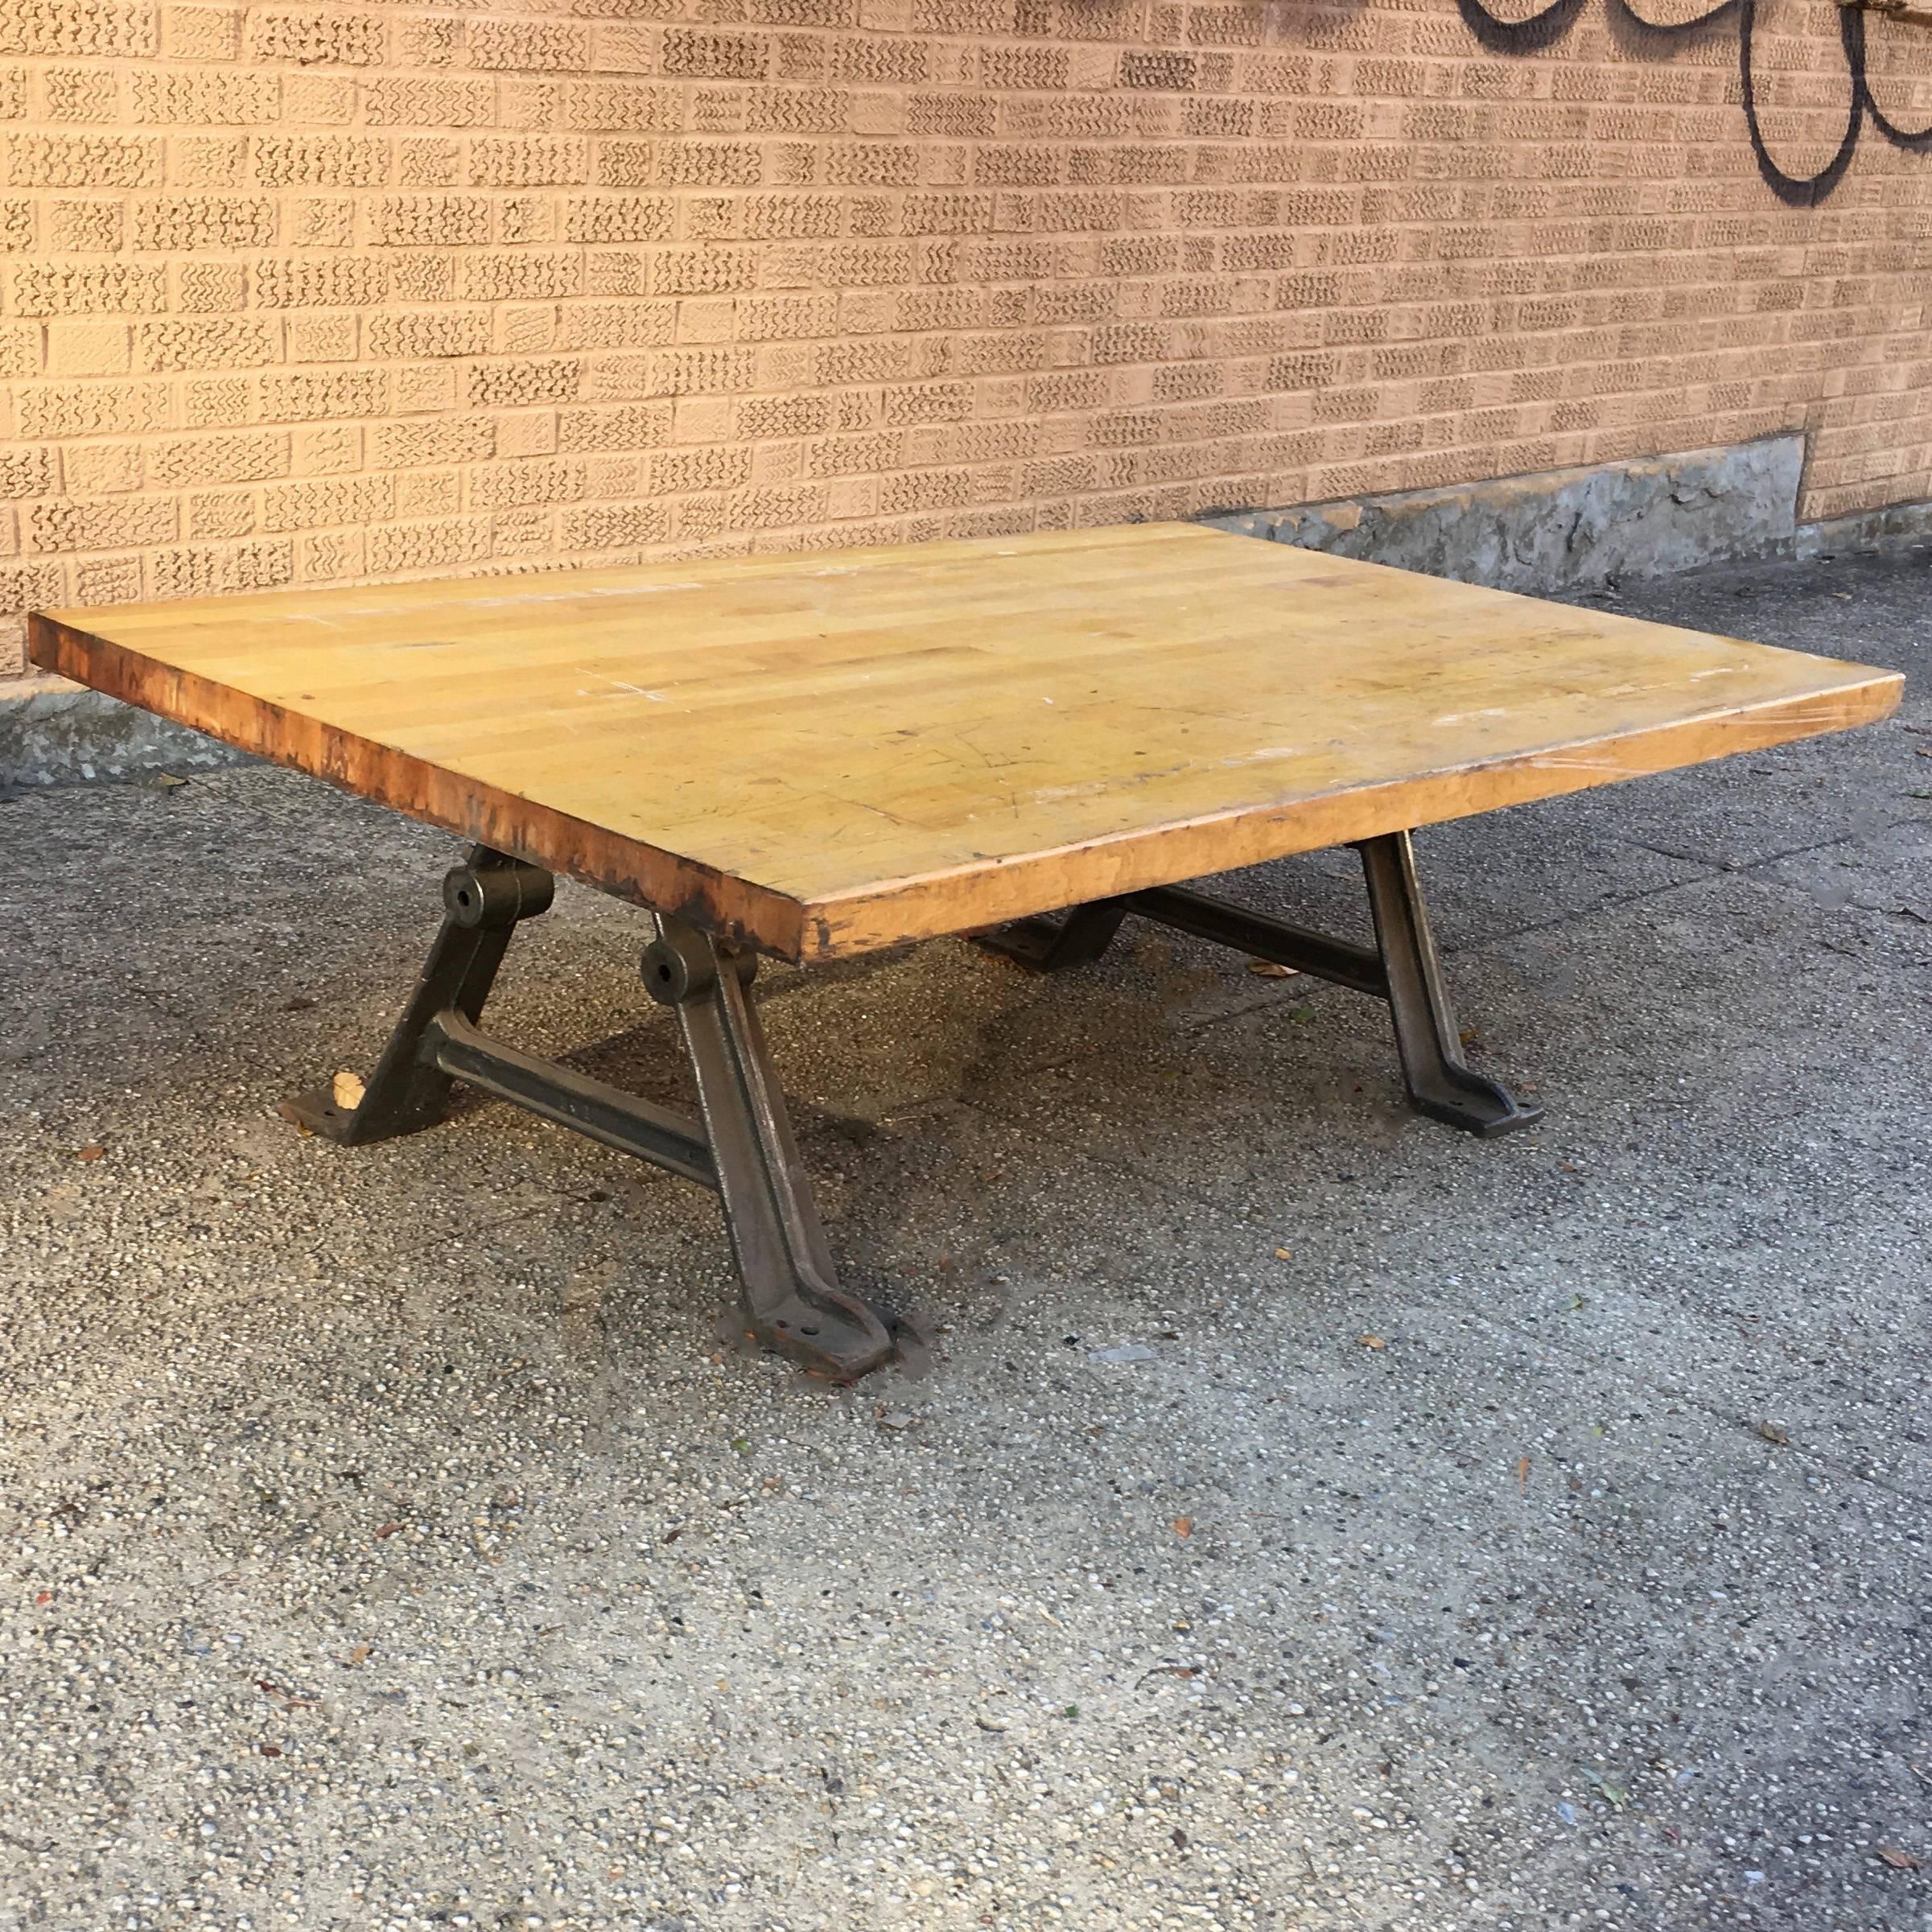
1541 30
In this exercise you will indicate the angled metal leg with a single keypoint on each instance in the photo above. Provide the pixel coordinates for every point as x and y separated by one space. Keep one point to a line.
1402 967
484 898
1439 1083
792 1298
742 1149
1047 944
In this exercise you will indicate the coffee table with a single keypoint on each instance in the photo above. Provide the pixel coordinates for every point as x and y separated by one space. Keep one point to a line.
1026 740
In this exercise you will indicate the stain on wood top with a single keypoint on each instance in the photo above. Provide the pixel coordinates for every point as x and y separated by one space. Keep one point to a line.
832 752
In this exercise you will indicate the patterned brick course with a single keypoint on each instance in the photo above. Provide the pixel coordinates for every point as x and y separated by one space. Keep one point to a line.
303 292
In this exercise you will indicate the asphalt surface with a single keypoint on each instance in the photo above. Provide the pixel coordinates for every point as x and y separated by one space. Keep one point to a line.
1310 1517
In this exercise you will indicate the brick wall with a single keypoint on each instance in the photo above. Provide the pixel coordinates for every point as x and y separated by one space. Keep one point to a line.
297 295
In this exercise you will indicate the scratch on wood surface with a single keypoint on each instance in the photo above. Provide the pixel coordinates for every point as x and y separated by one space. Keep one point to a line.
618 687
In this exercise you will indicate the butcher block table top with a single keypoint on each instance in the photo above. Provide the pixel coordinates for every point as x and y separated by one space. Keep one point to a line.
827 753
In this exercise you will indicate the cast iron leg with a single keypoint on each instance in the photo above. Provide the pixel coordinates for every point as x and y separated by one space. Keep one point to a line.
790 1293
743 1148
1439 1083
484 898
1045 945
1401 968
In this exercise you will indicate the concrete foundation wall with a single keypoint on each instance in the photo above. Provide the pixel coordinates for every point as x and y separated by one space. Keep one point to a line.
1566 529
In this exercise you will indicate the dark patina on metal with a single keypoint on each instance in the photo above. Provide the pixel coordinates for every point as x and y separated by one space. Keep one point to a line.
742 1148
1403 968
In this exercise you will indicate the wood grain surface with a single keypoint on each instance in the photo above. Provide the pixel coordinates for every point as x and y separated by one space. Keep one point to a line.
829 753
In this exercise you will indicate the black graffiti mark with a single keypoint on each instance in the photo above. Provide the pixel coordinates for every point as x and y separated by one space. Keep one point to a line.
1541 30
1519 36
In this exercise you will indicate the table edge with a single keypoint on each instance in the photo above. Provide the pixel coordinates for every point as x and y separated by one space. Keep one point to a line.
917 908
772 921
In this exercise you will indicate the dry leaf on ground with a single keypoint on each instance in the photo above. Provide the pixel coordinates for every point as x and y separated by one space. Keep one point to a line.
346 1090
1901 1861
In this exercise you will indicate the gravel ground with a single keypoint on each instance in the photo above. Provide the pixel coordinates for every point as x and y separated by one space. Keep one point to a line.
1508 1536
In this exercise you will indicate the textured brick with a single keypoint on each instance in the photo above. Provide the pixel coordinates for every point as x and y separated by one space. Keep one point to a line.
320 501
404 446
300 396
427 101
116 524
316 36
219 514
107 579
395 549
86 28
602 526
527 160
220 342
517 275
207 160
506 485
321 160
90 409
218 402
27 586
98 160
429 220
521 46
211 570
619 218
426 333
27 472
615 324
80 93
344 288
194 32
86 226
513 385
185 223
703 271
623 106
208 97
176 461
309 282
713 56
82 288
634 425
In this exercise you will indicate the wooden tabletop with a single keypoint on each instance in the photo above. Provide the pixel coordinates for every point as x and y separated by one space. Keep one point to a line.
832 752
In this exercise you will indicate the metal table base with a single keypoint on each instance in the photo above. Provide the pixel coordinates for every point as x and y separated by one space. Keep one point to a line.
741 1146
